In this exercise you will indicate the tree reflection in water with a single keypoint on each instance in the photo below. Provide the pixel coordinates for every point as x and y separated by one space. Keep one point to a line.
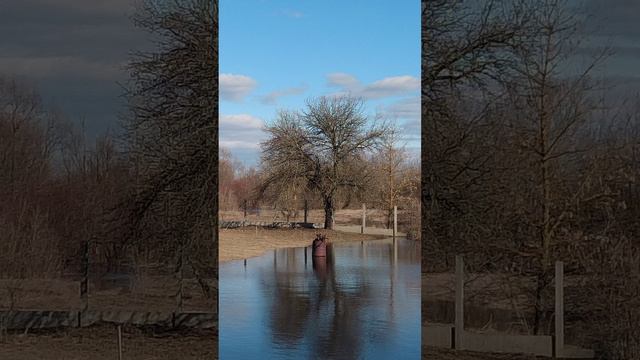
328 309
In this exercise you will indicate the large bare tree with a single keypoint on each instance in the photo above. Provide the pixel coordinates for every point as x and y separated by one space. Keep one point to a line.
321 148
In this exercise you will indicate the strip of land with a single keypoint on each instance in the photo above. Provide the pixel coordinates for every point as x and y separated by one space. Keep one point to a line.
432 353
100 343
237 244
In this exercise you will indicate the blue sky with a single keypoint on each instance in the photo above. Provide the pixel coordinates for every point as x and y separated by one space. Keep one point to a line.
275 54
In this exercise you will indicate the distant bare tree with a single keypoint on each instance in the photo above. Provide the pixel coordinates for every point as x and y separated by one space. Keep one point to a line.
321 148
393 179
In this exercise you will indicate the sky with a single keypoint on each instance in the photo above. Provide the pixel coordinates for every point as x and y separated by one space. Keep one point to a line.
73 52
614 24
276 54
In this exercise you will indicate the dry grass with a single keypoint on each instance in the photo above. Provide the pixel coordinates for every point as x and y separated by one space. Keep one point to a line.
236 244
496 291
433 353
155 293
100 343
375 218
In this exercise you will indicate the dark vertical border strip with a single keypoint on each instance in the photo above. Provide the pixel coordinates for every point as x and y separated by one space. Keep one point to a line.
424 161
214 192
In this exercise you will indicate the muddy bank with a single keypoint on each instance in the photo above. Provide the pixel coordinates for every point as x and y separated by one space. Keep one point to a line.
236 244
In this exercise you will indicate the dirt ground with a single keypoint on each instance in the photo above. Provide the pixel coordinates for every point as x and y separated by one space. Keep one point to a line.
100 343
236 244
375 217
155 293
432 353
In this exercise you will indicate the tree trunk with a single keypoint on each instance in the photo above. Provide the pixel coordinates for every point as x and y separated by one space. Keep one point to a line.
328 213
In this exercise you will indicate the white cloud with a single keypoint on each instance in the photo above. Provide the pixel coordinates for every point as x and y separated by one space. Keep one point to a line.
342 80
387 87
272 97
239 144
408 108
241 131
241 122
391 86
241 134
236 87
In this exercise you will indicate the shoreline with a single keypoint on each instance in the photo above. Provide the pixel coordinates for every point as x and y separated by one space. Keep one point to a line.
239 244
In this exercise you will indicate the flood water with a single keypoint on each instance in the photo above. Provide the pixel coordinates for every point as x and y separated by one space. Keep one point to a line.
361 302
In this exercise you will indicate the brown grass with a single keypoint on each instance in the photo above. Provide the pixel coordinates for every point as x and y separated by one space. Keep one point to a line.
375 217
100 343
433 353
236 244
155 293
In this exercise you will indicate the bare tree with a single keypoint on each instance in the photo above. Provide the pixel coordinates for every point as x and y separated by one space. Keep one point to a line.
466 49
393 179
321 148
553 106
172 133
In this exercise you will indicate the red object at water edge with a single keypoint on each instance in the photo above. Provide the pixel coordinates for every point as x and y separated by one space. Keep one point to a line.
319 246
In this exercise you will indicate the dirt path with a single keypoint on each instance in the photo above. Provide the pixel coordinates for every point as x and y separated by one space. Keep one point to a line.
236 244
100 343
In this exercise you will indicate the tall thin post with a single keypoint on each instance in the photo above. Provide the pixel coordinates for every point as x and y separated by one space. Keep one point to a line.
559 309
395 221
306 210
395 252
459 302
364 218
84 283
244 220
119 342
179 296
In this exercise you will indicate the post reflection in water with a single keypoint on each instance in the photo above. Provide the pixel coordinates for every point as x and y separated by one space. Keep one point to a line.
360 301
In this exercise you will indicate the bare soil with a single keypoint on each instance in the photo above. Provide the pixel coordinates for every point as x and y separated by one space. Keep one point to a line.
433 353
236 244
100 342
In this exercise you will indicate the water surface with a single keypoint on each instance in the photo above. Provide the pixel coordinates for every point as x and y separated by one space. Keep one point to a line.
361 302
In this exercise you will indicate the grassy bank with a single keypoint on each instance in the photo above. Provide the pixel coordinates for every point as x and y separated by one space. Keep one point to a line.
236 244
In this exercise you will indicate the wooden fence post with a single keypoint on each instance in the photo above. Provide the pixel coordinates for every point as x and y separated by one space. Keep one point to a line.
395 221
559 310
244 219
459 303
119 342
84 282
364 218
